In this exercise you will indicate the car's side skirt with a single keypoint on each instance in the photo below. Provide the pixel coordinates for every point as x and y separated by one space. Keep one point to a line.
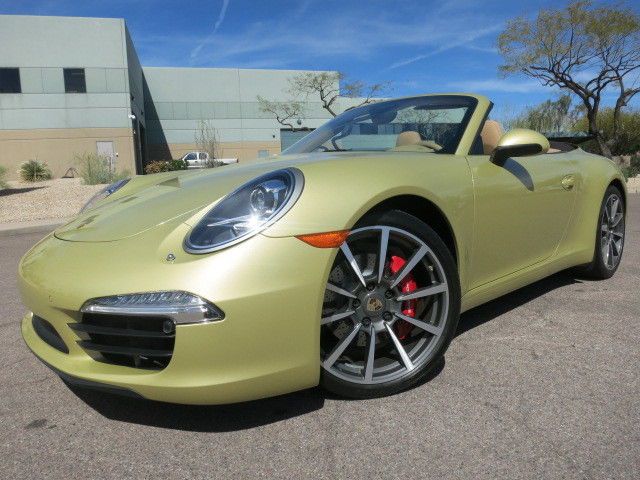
524 277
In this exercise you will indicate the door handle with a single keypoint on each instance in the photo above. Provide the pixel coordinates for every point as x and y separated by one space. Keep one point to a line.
568 182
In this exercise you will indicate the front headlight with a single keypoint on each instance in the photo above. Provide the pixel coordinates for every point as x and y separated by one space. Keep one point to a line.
104 193
181 307
246 211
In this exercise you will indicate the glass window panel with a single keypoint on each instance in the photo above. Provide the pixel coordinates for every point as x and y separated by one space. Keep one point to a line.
10 80
74 80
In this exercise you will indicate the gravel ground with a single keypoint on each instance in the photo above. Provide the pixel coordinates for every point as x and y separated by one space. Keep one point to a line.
633 185
59 198
541 383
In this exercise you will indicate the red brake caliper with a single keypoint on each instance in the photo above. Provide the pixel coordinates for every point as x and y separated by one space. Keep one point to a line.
408 284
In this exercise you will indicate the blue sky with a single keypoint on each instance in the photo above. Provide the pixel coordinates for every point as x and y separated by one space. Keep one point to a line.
420 46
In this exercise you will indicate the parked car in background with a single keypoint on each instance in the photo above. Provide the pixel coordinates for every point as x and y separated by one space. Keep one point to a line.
196 159
201 160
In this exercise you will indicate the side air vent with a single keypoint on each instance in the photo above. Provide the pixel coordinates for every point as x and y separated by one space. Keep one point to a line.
48 334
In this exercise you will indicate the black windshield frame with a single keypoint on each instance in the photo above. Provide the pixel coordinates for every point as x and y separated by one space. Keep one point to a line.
318 137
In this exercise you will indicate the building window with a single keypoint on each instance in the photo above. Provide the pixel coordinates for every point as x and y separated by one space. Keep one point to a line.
263 153
74 81
10 80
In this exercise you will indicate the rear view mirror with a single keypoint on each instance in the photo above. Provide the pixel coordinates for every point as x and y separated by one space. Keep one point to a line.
519 142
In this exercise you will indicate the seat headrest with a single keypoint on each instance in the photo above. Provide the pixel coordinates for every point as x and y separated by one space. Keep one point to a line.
408 138
490 134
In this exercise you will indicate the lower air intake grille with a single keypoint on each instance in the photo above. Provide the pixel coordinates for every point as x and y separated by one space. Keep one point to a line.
141 342
48 334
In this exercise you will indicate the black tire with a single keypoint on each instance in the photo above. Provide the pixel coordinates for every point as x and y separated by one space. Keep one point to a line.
600 268
409 223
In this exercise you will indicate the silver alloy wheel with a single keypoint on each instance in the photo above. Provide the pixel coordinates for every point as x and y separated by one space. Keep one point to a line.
363 346
612 231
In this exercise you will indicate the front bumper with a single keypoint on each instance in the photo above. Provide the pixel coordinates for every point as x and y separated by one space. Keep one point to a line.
270 289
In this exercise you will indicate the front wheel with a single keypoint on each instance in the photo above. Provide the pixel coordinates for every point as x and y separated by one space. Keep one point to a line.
391 307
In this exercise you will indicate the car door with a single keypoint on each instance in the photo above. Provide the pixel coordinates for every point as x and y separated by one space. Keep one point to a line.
522 208
191 160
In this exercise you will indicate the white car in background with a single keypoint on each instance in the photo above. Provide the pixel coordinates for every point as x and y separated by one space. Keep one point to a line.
195 159
201 159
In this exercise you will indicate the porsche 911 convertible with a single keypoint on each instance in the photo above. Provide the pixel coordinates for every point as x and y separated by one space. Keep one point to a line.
344 262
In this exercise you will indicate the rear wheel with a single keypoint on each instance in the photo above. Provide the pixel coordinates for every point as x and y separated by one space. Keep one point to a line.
390 308
609 236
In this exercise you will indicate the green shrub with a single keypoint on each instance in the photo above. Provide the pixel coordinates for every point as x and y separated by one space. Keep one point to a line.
34 171
156 166
177 165
94 169
628 141
3 184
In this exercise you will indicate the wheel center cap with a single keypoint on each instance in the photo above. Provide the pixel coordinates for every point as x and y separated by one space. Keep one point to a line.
374 304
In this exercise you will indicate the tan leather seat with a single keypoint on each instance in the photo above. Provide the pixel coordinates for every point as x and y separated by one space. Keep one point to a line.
408 138
412 141
490 134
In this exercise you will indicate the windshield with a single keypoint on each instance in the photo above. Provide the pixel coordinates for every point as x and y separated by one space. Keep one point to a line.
432 124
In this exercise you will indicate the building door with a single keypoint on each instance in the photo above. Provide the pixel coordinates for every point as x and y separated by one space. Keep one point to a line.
105 149
143 151
138 144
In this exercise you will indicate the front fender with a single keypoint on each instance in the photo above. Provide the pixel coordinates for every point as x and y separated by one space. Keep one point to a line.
338 193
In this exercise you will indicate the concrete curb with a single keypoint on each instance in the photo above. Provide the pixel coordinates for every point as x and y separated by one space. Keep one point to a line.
36 226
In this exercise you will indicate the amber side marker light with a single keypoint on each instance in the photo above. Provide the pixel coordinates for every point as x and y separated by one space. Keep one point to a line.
326 239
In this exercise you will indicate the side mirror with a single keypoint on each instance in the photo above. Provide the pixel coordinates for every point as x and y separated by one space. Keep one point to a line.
519 142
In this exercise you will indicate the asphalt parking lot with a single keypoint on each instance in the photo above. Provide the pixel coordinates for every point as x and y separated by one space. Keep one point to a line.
541 383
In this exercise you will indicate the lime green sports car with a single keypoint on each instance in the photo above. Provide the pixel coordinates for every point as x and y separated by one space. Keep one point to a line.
344 262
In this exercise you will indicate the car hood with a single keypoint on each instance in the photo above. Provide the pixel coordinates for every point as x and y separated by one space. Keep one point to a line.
151 200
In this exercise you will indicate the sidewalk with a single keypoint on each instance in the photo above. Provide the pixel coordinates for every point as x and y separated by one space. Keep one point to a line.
34 226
